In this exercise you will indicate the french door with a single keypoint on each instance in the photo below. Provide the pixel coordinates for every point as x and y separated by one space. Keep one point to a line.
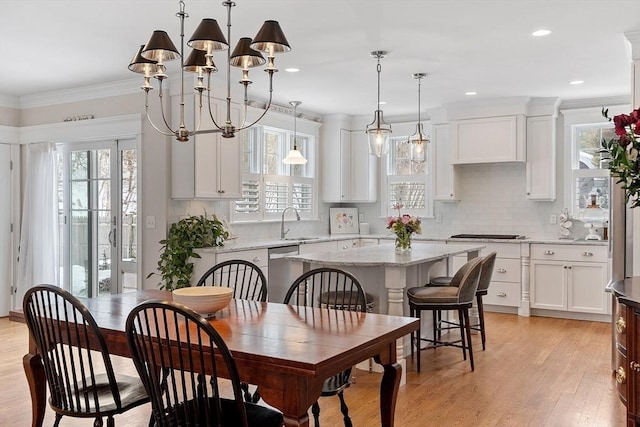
98 217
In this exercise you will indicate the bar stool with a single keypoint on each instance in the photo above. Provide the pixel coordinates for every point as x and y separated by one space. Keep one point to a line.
483 285
458 296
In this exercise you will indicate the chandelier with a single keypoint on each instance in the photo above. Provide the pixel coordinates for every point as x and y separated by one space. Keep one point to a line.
419 140
208 38
378 131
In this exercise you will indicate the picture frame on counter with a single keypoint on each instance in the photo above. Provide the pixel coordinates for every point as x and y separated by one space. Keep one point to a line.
344 221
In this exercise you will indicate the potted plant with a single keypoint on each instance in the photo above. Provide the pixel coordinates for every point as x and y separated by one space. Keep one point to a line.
194 232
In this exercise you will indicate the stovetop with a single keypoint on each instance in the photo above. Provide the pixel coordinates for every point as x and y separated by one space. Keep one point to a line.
488 236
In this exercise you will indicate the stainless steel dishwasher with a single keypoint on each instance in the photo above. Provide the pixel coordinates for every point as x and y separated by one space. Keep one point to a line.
280 278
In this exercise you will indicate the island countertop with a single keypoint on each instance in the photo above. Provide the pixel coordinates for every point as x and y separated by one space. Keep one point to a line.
385 255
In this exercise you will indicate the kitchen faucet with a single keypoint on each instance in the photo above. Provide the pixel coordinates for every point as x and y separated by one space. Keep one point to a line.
282 232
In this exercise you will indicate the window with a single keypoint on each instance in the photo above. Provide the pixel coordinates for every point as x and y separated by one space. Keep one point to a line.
589 177
268 185
406 181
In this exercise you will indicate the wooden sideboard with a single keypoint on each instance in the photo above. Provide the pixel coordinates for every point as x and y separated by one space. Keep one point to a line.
626 345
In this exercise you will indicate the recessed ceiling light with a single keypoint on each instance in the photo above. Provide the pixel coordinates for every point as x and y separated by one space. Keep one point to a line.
382 103
292 70
471 93
576 82
540 33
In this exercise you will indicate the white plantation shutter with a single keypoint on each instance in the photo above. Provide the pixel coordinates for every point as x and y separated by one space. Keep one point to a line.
302 197
411 194
268 185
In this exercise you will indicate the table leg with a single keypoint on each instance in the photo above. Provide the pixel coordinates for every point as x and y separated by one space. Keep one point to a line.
389 388
37 387
293 396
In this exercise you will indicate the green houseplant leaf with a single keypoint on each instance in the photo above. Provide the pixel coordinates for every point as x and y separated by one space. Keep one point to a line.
186 235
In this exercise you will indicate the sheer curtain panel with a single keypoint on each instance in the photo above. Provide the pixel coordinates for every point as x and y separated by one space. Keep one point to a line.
39 240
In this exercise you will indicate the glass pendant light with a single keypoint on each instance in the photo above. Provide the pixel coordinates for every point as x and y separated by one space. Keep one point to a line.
378 131
419 140
295 157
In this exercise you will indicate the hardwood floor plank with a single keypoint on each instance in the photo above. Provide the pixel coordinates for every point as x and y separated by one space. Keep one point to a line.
535 372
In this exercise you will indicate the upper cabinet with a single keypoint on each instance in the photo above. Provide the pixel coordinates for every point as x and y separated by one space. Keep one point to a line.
541 158
445 175
348 171
488 140
207 166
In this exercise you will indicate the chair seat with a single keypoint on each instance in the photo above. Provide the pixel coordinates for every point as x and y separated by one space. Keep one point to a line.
346 297
336 383
257 416
132 394
440 281
433 295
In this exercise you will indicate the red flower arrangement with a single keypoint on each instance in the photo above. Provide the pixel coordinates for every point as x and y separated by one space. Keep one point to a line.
624 163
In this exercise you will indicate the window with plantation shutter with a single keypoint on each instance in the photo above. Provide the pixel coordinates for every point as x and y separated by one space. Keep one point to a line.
269 185
407 182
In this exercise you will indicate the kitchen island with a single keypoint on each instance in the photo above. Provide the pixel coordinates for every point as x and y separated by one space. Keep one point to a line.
380 269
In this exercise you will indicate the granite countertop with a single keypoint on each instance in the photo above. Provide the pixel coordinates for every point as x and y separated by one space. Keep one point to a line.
235 245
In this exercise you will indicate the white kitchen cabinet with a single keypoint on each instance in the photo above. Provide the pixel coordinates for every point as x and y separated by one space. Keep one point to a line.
541 158
489 140
569 278
505 287
210 257
348 171
445 175
207 166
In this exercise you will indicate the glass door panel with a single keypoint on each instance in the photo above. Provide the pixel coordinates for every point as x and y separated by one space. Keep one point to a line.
128 217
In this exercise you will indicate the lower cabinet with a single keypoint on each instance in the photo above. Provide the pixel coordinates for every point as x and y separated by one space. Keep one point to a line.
569 278
210 257
504 289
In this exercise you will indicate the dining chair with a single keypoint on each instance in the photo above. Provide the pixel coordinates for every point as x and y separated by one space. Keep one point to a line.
179 356
329 288
483 286
82 382
248 282
246 279
459 296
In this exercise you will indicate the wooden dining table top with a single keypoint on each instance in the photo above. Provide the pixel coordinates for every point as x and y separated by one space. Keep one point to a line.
298 338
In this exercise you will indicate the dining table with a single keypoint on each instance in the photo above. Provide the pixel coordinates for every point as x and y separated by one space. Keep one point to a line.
287 351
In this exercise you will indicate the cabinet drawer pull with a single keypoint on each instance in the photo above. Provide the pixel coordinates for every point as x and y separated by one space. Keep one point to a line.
634 366
621 325
621 376
548 252
501 294
587 253
256 259
345 247
501 270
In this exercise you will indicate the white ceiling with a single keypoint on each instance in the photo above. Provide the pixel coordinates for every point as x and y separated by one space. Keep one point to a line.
480 45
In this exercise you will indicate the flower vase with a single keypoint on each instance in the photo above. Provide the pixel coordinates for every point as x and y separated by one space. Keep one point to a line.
403 243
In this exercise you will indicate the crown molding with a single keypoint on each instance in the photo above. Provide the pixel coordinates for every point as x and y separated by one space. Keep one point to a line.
85 93
571 104
9 101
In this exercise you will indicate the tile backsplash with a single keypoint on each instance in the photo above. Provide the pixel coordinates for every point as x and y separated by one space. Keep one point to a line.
492 201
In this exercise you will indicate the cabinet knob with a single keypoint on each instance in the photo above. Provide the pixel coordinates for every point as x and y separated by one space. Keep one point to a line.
587 253
345 247
451 195
501 270
634 366
621 375
528 193
501 294
621 325
256 260
548 252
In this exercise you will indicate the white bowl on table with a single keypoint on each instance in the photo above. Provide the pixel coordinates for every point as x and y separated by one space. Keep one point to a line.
205 300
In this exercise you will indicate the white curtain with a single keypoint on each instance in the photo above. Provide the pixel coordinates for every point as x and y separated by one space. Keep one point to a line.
39 239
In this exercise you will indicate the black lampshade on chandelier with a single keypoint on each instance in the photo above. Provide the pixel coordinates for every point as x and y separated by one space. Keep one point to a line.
206 39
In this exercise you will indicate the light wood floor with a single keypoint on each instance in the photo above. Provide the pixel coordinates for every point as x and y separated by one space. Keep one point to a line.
535 372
